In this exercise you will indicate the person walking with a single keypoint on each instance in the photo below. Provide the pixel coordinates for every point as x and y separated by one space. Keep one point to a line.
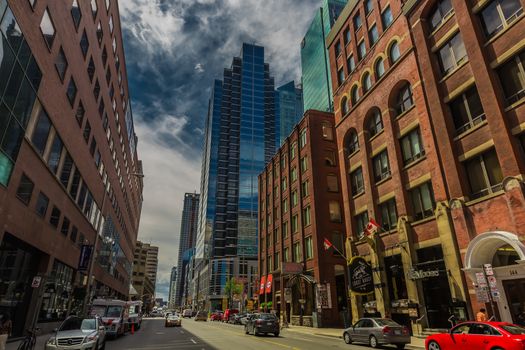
6 327
481 316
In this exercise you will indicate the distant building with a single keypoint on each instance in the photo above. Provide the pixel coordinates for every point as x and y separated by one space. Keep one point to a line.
316 79
152 264
288 110
144 259
173 283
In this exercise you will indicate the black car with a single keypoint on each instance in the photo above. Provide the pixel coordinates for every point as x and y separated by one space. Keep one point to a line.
263 323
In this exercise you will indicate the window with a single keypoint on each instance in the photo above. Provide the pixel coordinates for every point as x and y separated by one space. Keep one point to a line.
84 44
452 54
302 138
350 62
394 52
335 211
54 154
512 77
304 164
361 221
467 110
484 174
375 123
285 205
404 99
381 166
91 69
369 6
340 76
294 198
41 204
286 255
76 14
284 184
108 75
111 24
25 189
328 131
347 36
354 94
41 132
357 182
47 28
100 33
108 3
499 14
285 229
73 235
304 189
65 173
386 18
373 35
329 158
361 50
344 106
96 90
293 174
422 198
277 261
94 8
306 216
379 68
297 256
441 12
71 91
64 229
357 22
412 146
308 243
104 56
295 226
114 45
388 214
79 114
367 82
337 48
61 64
332 183
293 149
87 131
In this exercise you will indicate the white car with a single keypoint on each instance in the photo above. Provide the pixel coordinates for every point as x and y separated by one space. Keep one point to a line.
78 333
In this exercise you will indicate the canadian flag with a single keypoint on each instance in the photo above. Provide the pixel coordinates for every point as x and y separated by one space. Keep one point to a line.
327 244
371 227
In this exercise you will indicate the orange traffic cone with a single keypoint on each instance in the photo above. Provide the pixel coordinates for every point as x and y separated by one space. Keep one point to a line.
132 328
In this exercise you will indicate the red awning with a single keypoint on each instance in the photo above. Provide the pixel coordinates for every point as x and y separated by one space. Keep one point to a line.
263 284
269 281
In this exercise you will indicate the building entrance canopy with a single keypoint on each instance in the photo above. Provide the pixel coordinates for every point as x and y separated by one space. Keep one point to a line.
483 248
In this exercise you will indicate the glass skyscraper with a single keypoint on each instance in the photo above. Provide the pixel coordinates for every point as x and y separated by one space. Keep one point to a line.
317 84
239 140
288 110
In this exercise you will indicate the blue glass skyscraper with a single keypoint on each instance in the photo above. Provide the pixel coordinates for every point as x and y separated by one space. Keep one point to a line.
239 140
288 110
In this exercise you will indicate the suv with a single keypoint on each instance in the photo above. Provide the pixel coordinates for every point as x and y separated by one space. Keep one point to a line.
262 324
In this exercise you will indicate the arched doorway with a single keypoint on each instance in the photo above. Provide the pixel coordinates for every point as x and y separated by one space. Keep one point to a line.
506 253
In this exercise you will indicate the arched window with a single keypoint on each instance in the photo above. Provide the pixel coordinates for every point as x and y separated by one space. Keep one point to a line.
380 68
367 82
353 142
375 123
404 99
344 105
355 94
394 52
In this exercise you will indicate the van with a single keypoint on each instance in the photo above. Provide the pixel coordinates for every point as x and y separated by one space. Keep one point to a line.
187 313
114 314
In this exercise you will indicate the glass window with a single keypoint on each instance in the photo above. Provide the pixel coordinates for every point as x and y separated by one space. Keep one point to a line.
373 35
350 62
367 82
91 69
347 36
94 8
467 110
293 174
286 255
96 90
100 33
47 28
302 138
394 52
512 78
388 214
111 24
61 64
108 3
329 158
355 94
297 254
87 131
304 164
499 14
404 99
386 17
64 229
484 174
340 76
375 123
335 211
361 50
65 173
369 6
380 68
332 183
294 198
381 166
452 54
412 146
357 182
84 44
71 91
361 221
344 106
337 48
285 205
73 235
442 10
328 131
295 226
293 149
104 56
76 14
54 154
306 216
308 242
304 189
41 132
12 139
285 229
422 198
25 189
357 22
42 203
79 114
284 184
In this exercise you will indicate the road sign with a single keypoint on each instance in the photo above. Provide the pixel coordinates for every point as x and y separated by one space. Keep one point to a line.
36 281
480 279
488 270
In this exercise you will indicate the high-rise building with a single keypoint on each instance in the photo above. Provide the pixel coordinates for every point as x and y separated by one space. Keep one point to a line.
240 138
173 284
288 110
152 263
142 281
188 234
316 78
68 158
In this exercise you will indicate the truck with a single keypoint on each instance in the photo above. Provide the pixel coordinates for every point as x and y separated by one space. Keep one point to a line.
114 314
135 314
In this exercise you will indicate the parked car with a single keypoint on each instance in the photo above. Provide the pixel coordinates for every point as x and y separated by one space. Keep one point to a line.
82 333
479 335
236 318
187 313
229 313
201 316
263 323
172 320
376 332
244 319
216 316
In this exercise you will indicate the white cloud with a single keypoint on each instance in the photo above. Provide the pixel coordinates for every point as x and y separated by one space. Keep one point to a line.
199 68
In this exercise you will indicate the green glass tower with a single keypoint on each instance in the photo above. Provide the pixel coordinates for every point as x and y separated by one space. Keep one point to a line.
317 84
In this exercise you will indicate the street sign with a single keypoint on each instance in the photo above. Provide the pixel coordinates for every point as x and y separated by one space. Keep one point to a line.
488 270
492 282
482 295
480 279
36 282
85 256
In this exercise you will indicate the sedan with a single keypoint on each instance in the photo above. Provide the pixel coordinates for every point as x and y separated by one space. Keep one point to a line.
479 336
263 323
216 316
201 316
80 333
376 332
172 320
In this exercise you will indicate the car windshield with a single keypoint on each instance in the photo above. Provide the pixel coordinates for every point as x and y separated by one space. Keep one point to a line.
113 311
76 323
386 322
267 317
513 329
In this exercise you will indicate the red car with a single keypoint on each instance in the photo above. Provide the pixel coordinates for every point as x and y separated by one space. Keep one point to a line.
229 313
479 336
216 316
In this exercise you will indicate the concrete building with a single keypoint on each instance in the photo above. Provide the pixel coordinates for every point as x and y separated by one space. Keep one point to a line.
152 263
145 256
68 159
173 287
300 205
288 110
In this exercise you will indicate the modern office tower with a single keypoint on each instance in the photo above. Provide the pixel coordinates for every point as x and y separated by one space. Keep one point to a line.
152 263
188 234
173 284
316 78
68 158
142 281
288 110
240 138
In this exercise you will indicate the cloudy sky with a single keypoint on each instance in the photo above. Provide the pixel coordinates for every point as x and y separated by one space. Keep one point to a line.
174 51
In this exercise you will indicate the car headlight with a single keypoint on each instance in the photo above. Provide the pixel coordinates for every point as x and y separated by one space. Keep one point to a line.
51 341
92 338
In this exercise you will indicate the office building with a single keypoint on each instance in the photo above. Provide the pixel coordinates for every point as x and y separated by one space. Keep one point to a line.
300 205
68 159
152 263
142 278
240 138
173 286
316 78
288 110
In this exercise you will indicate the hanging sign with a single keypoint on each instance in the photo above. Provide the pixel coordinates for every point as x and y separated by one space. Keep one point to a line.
488 270
361 279
269 281
262 286
36 281
85 256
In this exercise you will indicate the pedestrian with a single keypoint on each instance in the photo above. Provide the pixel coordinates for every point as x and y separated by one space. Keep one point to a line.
520 318
6 327
481 316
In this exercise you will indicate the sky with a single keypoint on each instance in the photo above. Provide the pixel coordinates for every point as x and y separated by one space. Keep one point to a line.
174 51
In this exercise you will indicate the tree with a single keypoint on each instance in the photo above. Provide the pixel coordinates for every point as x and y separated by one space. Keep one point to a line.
232 288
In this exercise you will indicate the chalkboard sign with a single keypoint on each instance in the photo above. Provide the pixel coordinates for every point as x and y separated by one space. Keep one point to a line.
361 279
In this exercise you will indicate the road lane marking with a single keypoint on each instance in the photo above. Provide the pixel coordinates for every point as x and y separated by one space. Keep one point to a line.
193 341
181 332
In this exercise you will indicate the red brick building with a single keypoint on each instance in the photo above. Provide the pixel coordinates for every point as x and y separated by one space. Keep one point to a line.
68 160
300 204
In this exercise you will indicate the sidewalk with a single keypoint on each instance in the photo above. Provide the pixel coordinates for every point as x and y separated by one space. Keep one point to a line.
40 343
416 343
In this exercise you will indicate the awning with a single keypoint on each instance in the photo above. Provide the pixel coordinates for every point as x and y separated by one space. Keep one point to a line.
263 284
269 281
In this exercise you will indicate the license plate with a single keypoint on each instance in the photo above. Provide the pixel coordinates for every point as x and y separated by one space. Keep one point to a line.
397 332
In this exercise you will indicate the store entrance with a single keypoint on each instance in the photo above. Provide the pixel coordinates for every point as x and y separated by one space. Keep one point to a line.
515 293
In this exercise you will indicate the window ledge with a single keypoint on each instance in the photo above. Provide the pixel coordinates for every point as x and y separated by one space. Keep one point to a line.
422 221
453 71
377 135
443 22
384 180
515 104
405 112
358 195
389 232
413 163
471 130
505 29
353 153
484 198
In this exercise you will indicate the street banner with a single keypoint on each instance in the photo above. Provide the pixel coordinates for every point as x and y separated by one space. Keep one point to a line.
85 256
361 279
262 285
269 281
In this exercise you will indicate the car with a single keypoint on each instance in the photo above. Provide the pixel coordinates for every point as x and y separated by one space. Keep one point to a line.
228 314
236 319
172 320
201 316
376 332
216 316
262 323
479 335
244 318
81 332
187 313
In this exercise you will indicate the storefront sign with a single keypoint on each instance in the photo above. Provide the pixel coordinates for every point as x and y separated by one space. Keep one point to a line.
262 285
85 256
414 274
291 268
361 279
269 281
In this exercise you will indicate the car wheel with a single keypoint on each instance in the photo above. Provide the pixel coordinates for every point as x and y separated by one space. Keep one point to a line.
400 346
276 334
373 341
246 331
347 338
433 345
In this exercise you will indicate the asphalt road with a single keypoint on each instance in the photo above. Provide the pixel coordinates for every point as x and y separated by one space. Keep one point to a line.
219 336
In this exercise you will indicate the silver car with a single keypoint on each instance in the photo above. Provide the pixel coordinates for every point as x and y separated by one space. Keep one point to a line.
80 334
376 332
